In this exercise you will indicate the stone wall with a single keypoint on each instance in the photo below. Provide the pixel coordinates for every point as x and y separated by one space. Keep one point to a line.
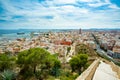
89 72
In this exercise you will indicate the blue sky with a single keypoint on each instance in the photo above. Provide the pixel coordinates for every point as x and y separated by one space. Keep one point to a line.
59 14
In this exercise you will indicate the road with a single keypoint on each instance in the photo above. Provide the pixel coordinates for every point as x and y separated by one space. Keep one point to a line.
104 54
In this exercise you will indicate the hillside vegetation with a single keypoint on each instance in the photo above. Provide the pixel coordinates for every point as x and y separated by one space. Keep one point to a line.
39 64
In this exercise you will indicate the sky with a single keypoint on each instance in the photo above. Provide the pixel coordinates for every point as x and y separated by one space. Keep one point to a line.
59 14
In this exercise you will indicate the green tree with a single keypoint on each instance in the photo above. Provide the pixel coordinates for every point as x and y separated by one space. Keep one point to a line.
82 49
74 63
5 62
55 71
36 61
28 60
78 62
68 49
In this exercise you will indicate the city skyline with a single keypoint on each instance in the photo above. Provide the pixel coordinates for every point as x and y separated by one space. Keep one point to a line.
59 14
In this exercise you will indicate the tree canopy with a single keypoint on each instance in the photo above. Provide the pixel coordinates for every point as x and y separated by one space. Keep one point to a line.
5 62
37 60
78 62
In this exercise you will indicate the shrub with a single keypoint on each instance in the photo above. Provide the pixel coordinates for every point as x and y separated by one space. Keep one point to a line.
8 75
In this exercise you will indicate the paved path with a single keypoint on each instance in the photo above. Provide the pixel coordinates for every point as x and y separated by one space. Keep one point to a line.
104 72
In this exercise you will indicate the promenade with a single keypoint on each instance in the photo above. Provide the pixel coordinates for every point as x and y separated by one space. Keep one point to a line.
104 72
99 70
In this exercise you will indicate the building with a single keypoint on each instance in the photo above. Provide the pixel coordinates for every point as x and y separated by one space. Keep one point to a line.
116 50
80 31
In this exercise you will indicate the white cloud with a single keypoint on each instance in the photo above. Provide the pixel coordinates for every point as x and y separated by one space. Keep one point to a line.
86 0
65 1
113 6
97 4
65 16
102 3
72 9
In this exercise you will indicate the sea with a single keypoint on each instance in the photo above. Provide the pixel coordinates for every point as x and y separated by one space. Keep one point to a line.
8 35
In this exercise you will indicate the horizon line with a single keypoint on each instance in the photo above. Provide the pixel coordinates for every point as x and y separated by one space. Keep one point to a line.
57 28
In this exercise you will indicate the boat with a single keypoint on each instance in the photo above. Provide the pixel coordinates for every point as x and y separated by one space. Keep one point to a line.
20 33
36 34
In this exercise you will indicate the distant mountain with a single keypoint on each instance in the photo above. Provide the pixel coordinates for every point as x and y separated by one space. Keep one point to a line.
105 29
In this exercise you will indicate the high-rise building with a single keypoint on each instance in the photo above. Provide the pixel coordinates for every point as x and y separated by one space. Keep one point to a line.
80 31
